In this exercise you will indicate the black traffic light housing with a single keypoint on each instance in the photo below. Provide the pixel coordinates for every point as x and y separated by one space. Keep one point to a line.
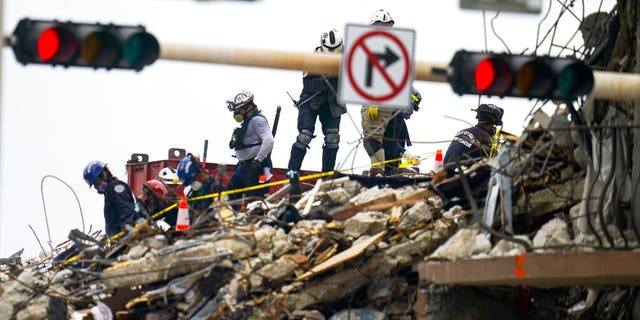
91 45
508 75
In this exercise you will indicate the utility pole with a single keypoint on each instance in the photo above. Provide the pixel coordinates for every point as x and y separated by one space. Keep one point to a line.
607 85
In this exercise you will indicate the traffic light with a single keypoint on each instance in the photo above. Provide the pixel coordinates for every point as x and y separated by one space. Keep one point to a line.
91 45
508 75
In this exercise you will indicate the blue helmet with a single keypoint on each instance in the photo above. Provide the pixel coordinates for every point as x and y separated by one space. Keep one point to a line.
186 170
92 171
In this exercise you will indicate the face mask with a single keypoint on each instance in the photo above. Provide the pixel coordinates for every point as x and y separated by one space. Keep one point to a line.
102 188
196 185
239 117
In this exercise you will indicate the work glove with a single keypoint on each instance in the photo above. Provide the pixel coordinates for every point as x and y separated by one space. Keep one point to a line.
372 112
255 168
409 159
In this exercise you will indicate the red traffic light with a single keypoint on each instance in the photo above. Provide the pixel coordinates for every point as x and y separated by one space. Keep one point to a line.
485 74
519 76
56 45
493 75
84 44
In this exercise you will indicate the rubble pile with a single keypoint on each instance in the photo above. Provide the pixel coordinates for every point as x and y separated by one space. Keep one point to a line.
345 249
353 249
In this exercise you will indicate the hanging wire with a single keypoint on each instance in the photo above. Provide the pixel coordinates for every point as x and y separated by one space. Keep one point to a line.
496 34
44 206
535 49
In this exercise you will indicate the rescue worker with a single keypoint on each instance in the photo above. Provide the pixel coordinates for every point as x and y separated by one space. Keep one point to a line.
153 199
318 99
396 138
474 143
119 204
252 142
192 174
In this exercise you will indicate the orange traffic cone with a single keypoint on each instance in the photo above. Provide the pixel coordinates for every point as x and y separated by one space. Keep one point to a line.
183 215
437 165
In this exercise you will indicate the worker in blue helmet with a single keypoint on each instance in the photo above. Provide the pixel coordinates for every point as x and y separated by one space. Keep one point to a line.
119 204
474 143
192 174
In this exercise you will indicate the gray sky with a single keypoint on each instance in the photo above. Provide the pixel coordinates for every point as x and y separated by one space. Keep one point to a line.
56 120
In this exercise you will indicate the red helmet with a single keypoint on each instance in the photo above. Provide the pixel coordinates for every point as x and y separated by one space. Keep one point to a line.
157 187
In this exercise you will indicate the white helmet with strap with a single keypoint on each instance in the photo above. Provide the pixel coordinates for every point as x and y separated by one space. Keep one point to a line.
240 100
331 41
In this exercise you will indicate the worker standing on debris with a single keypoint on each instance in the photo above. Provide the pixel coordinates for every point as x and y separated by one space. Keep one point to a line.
153 199
384 129
318 99
119 204
396 138
252 142
471 144
191 173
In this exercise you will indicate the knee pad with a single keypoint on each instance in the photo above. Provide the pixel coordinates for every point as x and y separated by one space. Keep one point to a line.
303 139
332 139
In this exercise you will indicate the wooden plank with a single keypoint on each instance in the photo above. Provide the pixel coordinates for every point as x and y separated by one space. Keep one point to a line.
544 270
343 256
350 210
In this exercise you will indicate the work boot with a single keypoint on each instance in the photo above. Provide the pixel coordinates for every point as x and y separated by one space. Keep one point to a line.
376 172
329 159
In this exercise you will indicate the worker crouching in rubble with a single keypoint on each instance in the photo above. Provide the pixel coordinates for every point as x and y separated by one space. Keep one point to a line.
119 204
153 199
472 144
252 142
192 174
469 146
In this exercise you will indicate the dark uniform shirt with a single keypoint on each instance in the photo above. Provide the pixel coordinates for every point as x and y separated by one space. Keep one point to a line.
467 144
318 92
119 206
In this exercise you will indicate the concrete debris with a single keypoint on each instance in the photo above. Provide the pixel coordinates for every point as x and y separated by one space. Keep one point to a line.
552 234
505 248
465 244
352 255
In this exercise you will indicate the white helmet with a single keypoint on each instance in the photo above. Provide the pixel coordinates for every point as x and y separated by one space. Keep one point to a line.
168 176
331 41
381 17
240 100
